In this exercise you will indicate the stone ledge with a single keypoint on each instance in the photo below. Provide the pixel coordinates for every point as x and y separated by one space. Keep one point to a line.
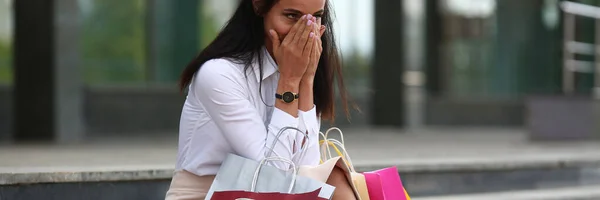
33 175
567 193
15 176
492 163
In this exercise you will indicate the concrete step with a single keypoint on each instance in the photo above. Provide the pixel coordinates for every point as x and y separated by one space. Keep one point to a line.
488 181
431 163
590 192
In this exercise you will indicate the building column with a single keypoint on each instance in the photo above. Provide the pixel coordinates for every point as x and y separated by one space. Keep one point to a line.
48 94
388 100
433 52
413 76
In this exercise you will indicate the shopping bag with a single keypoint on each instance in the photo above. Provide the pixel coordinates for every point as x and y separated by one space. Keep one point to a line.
242 174
385 184
294 156
359 184
239 195
322 171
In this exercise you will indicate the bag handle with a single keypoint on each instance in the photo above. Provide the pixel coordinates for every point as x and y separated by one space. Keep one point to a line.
326 150
263 162
335 129
323 149
326 143
324 146
277 139
325 136
337 145
345 154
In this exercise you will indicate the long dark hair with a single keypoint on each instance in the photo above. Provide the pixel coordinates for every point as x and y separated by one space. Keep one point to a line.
243 38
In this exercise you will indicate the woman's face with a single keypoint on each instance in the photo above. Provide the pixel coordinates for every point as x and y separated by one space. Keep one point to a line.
285 13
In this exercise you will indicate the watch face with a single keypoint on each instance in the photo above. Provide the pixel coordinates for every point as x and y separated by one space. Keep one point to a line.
287 97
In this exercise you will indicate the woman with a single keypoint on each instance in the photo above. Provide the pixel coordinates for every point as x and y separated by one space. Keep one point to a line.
272 66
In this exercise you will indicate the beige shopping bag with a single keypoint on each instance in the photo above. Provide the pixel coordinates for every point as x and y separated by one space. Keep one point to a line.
358 180
323 171
360 184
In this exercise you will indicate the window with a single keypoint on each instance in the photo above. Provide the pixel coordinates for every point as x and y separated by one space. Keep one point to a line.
141 41
6 26
112 40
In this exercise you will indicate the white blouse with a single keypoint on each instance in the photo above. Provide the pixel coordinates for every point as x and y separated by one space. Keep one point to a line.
225 113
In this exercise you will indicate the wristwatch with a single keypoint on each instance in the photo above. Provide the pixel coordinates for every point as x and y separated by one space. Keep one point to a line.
287 97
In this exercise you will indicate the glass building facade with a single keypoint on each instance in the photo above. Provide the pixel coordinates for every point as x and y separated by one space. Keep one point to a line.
480 58
487 57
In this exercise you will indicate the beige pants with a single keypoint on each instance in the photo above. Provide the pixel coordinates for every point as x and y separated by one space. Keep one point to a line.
188 186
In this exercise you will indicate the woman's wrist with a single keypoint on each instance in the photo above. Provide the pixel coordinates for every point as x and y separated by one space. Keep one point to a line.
288 85
290 78
307 80
306 102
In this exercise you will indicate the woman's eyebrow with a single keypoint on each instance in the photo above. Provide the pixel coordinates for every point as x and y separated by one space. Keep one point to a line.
298 12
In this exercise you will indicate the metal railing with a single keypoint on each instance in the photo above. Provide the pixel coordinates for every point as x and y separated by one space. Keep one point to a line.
572 47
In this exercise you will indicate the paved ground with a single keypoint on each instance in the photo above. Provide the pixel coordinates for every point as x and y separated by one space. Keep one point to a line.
591 192
430 147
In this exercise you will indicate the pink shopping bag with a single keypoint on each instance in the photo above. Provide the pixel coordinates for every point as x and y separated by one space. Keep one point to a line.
385 184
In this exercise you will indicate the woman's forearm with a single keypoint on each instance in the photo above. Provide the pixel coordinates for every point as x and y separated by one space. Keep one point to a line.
306 100
288 85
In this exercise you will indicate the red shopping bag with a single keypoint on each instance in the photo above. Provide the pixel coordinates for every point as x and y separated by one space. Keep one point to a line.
385 184
246 195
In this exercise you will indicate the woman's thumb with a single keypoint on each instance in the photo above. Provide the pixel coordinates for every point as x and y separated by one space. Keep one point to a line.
274 39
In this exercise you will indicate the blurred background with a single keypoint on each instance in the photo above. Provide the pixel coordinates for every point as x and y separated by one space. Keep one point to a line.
76 72
473 61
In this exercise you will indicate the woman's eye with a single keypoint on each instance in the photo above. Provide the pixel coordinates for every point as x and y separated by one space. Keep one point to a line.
291 16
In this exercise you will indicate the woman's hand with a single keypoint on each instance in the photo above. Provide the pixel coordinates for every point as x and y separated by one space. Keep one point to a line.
306 84
292 56
294 52
315 55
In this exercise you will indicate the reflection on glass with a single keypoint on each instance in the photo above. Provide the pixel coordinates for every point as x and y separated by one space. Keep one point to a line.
115 37
130 41
6 25
354 25
470 8
467 46
112 40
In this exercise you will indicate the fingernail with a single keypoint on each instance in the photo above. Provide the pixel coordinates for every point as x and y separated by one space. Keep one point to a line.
309 16
314 19
309 22
303 16
311 34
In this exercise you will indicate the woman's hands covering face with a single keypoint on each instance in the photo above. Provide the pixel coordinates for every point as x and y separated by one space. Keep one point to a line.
298 54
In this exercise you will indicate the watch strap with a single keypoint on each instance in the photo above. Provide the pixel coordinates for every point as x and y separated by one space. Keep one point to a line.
279 96
285 97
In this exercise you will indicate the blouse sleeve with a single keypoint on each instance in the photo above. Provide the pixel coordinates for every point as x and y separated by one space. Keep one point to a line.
310 123
220 89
